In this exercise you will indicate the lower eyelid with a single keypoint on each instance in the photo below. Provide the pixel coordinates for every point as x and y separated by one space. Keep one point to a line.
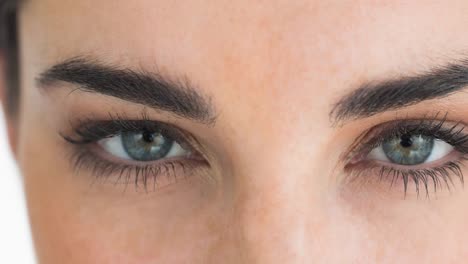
452 156
151 176
379 176
369 169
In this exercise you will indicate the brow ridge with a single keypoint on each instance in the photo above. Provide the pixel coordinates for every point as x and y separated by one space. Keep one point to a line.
375 97
152 89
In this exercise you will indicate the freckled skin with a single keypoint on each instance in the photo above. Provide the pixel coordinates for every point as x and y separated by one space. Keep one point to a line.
273 70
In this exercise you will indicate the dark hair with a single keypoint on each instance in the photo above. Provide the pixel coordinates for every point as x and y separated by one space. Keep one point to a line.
9 50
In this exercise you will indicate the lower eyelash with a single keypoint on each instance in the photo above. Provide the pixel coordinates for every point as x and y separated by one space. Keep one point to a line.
147 177
86 156
427 179
423 179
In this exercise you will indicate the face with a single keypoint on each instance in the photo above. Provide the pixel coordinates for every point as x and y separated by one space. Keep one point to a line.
244 131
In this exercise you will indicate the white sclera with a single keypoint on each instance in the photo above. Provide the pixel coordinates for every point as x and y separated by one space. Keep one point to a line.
439 150
115 147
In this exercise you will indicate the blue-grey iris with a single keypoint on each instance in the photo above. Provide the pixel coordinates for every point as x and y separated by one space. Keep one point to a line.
408 149
145 145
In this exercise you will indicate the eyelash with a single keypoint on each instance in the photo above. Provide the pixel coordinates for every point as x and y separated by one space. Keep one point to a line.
85 154
429 178
88 132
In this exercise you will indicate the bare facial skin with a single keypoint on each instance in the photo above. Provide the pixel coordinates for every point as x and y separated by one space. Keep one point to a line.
279 176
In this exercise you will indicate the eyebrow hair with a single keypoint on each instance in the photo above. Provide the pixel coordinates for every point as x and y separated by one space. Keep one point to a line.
150 89
376 97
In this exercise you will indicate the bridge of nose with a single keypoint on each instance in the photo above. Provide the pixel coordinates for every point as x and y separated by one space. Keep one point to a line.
280 161
280 206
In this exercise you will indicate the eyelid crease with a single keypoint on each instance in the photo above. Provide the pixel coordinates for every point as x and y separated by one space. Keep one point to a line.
90 130
356 164
86 155
443 128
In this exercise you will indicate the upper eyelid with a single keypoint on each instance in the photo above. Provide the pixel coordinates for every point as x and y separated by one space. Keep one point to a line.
433 176
374 136
89 131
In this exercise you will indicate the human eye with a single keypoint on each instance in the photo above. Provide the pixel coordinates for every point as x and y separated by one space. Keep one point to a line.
144 152
145 146
426 154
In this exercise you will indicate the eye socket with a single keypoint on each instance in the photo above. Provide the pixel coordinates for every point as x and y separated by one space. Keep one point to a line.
420 154
144 146
410 150
149 153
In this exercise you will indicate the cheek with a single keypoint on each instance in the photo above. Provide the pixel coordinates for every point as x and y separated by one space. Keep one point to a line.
74 222
411 230
71 229
69 241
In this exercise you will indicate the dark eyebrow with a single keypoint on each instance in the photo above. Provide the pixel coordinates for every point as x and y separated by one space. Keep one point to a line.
150 89
376 97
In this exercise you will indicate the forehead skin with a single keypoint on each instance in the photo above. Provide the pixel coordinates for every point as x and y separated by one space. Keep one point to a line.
273 68
266 45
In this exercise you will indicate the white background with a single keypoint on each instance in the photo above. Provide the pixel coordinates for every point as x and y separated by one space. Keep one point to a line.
15 241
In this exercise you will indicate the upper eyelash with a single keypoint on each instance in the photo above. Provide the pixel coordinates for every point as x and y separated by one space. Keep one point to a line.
89 131
452 134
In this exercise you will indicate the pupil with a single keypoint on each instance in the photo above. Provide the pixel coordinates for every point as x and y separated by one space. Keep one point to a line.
408 149
406 141
146 145
148 137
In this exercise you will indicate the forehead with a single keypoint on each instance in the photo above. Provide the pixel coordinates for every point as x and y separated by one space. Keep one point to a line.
274 47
